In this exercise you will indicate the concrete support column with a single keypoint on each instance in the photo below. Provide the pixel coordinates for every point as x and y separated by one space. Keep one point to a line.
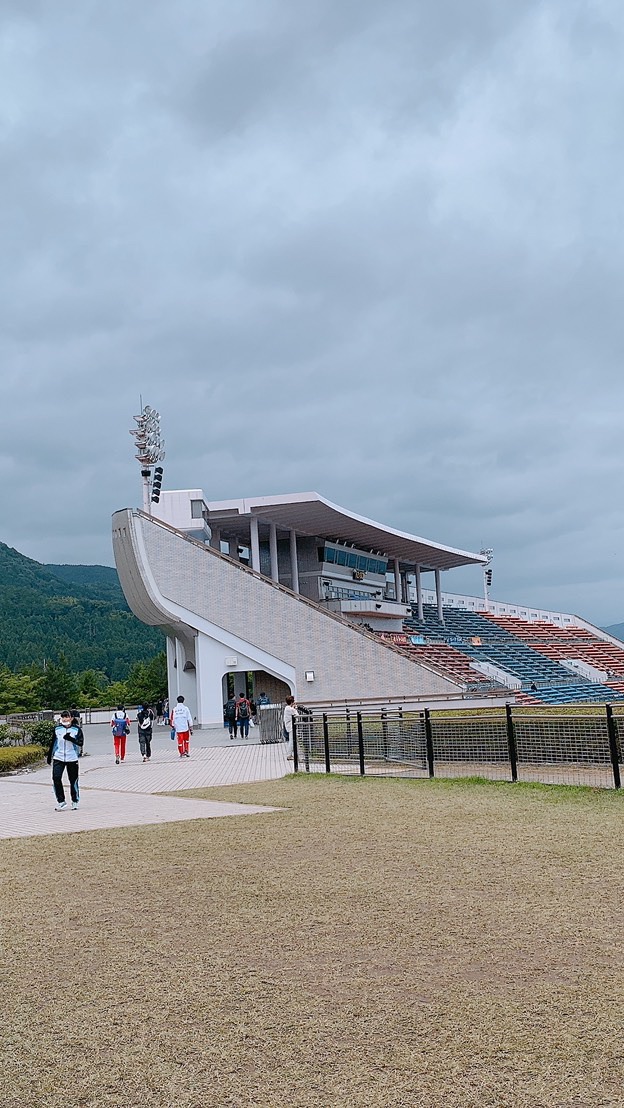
419 599
273 552
178 662
294 568
172 678
255 544
215 538
397 580
234 547
438 591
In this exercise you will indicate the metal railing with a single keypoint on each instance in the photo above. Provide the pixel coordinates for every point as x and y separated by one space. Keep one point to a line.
541 745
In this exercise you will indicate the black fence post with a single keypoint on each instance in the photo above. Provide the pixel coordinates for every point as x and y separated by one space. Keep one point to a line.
384 732
511 743
348 742
326 742
360 732
429 742
295 749
613 746
306 739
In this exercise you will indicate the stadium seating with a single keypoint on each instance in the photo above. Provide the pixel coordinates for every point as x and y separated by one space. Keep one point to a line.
441 656
561 643
531 652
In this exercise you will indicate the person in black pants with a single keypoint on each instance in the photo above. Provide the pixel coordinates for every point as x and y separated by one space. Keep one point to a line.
145 719
229 715
65 750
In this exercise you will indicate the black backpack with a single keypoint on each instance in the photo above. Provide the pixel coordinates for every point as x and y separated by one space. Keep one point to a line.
243 709
230 709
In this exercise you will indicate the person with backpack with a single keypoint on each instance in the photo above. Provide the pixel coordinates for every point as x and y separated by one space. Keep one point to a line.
181 722
243 713
229 716
120 726
64 752
145 720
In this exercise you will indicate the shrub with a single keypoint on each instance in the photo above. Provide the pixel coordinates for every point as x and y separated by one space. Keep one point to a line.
14 757
11 736
42 732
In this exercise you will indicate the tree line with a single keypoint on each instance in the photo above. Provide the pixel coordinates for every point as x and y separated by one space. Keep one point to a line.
54 686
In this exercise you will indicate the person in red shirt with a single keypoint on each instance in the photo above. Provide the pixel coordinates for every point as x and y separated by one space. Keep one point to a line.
243 715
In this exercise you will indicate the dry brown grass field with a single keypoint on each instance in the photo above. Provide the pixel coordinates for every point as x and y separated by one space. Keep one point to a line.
375 943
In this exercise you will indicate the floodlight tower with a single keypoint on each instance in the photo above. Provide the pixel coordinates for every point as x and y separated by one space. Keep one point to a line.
150 450
488 553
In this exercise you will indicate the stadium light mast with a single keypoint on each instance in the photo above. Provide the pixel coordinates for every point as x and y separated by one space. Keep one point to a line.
488 553
150 450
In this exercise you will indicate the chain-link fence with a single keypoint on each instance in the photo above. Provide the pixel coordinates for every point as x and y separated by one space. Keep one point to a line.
572 748
388 743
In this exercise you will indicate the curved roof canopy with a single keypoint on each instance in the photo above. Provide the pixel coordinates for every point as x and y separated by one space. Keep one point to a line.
308 513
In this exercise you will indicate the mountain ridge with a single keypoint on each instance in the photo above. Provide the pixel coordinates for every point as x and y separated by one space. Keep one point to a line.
79 611
615 629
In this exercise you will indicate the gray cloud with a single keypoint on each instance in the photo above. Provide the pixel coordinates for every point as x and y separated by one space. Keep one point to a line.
370 249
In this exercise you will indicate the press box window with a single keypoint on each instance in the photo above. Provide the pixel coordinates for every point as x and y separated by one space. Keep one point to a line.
197 509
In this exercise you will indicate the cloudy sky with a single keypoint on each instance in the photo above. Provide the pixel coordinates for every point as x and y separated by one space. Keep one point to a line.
370 249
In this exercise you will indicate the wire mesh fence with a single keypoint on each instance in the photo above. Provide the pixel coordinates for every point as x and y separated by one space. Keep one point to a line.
569 750
388 743
468 746
548 746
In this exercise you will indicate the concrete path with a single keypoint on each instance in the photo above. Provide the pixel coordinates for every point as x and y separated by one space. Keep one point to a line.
126 795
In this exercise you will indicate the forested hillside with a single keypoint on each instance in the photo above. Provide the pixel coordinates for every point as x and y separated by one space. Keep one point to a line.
100 580
75 611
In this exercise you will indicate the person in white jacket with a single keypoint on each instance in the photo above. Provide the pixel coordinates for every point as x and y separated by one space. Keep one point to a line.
65 750
181 721
290 713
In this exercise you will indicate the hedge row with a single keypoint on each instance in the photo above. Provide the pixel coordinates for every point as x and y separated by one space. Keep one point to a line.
14 757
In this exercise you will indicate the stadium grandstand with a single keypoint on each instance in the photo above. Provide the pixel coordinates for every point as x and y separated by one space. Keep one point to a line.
292 593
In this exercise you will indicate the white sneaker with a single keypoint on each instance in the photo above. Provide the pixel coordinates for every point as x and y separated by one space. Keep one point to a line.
59 807
75 805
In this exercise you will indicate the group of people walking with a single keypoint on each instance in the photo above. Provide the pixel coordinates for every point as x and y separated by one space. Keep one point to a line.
179 719
68 739
238 713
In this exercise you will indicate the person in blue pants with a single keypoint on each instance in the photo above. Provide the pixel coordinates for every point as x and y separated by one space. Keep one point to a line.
243 713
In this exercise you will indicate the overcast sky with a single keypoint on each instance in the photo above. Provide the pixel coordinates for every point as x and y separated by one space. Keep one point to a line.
369 249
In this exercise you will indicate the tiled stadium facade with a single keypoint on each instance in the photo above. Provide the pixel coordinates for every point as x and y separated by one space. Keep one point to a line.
220 617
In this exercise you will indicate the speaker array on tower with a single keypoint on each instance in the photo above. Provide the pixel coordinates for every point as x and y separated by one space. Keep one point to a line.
157 484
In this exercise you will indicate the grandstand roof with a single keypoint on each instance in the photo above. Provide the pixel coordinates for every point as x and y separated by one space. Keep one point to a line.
309 513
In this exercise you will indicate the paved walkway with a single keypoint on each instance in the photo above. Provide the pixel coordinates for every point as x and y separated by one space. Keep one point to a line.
126 795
